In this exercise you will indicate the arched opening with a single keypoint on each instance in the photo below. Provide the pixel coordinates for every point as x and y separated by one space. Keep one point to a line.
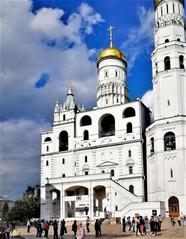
107 125
86 135
129 112
181 62
131 189
169 141
76 202
112 173
129 128
63 141
167 64
173 203
85 120
130 169
47 139
99 201
152 145
55 200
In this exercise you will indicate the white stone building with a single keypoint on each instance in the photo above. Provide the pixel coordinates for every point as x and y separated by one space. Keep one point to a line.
94 162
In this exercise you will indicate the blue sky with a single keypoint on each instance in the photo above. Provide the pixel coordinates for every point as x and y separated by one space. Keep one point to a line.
44 45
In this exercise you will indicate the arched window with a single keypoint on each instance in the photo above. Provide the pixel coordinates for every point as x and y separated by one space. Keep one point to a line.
47 163
181 62
167 64
86 159
129 112
130 169
131 189
112 173
106 125
169 141
86 135
47 148
152 145
63 161
129 128
86 172
47 139
85 120
64 117
166 40
63 141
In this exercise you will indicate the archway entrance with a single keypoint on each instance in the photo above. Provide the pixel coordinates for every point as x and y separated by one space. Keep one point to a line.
174 207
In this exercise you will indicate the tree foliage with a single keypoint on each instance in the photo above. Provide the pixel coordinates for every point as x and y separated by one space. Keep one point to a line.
28 206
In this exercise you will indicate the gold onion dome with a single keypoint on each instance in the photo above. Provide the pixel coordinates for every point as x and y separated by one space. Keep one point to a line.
111 52
157 2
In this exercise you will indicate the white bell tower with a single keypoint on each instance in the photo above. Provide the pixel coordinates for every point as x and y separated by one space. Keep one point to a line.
166 136
168 59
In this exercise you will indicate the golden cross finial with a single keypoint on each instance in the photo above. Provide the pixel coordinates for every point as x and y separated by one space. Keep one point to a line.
110 32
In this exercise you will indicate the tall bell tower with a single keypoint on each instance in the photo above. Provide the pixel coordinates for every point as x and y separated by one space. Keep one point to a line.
168 59
166 136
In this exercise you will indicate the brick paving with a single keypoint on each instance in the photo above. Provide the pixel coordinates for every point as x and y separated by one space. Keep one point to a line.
114 231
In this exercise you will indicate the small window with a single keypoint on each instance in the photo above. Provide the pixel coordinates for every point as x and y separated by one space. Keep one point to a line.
63 175
103 171
161 11
130 169
156 67
129 128
152 145
171 173
112 173
167 8
116 208
106 101
181 62
85 120
63 161
86 159
64 117
47 148
129 153
167 64
115 193
117 100
47 163
173 8
86 172
131 189
129 112
86 135
178 39
106 73
168 102
166 40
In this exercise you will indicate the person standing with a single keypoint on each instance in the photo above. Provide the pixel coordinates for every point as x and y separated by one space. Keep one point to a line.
55 228
97 228
87 224
80 234
46 228
28 225
63 229
124 224
74 228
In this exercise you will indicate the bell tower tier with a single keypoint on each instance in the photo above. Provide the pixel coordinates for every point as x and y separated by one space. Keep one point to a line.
112 71
168 59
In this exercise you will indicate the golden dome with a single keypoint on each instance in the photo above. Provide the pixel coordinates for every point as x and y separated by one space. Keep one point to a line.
157 2
111 52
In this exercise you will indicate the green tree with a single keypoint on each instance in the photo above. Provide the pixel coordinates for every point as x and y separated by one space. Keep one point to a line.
5 209
28 206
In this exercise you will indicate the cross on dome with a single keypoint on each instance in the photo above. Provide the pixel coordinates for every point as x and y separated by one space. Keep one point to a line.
110 33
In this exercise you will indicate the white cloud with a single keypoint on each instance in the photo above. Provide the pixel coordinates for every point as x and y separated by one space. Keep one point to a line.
25 58
20 155
140 38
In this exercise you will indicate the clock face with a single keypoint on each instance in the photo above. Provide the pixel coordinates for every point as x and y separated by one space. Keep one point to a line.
169 141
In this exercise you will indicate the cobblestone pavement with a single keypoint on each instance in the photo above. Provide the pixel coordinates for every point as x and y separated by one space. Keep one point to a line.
114 231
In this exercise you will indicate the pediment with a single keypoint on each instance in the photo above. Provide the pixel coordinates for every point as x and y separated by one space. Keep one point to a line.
107 163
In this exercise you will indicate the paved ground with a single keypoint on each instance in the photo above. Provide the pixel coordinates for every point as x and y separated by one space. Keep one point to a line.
114 231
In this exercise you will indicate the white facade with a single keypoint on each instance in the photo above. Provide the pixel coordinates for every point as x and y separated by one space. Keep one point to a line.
99 162
166 137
